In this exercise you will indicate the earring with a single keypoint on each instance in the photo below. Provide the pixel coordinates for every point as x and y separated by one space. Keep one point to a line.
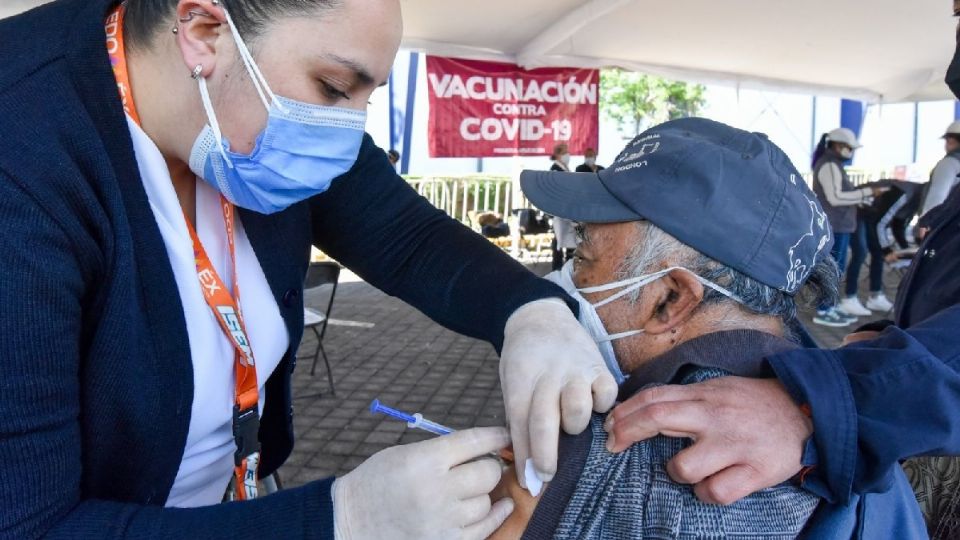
197 71
176 30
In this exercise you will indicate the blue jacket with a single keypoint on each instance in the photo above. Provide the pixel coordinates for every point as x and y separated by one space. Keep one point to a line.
878 402
95 369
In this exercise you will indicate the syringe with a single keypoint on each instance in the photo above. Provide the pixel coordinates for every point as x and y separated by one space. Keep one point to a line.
416 421
534 484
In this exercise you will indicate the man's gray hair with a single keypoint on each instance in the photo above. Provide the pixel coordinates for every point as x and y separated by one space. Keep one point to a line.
658 250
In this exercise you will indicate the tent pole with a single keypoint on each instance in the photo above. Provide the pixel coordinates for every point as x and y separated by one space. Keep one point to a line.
412 74
813 127
916 130
393 113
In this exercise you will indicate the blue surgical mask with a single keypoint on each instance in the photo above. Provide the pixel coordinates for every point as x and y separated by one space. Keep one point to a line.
591 321
303 148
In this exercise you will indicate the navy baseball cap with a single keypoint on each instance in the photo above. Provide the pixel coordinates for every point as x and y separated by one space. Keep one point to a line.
727 193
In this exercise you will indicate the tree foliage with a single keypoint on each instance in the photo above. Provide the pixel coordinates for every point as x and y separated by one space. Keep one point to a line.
637 101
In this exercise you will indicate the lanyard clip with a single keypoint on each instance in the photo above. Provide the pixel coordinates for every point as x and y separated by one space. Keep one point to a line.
246 428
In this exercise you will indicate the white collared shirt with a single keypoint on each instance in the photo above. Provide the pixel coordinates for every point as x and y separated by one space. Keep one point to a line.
207 463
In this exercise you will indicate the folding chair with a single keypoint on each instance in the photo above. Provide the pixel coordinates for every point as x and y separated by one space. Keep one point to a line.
318 275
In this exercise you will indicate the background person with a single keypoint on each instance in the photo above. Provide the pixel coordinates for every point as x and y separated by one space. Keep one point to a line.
393 156
589 164
946 174
880 227
840 199
565 238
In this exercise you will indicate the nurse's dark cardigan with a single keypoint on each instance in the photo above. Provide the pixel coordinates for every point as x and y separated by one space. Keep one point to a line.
95 368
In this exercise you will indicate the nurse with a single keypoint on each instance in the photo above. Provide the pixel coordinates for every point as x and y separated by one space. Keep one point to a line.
164 169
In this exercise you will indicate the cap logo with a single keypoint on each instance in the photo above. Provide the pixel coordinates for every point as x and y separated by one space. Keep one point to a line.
630 158
800 269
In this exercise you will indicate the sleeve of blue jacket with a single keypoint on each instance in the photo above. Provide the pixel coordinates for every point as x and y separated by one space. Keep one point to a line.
374 223
877 402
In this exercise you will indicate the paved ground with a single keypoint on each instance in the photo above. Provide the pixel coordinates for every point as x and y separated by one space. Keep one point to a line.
407 361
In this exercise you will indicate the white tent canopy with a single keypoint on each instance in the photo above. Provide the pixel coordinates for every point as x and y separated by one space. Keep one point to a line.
875 51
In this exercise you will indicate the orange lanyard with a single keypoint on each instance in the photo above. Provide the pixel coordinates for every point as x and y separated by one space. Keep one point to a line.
225 307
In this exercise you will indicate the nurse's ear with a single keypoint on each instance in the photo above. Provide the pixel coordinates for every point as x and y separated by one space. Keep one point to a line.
199 26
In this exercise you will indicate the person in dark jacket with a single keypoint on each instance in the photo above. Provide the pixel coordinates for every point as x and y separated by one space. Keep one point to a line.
589 164
146 153
835 420
882 226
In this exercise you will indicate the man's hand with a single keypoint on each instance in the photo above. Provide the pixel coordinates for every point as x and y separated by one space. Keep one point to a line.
748 433
552 374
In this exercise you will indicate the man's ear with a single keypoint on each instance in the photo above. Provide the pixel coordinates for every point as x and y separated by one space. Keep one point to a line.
199 24
678 295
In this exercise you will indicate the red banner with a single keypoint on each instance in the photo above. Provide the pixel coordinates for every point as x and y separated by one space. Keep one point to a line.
487 109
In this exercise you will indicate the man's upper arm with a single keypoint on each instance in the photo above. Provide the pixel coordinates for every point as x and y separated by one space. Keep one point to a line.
877 402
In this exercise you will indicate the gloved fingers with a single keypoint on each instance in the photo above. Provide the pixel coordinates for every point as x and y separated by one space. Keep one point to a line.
475 478
544 426
576 404
605 393
468 444
472 510
517 404
498 514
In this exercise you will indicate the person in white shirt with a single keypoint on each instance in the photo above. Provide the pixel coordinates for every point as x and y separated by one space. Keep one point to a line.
946 175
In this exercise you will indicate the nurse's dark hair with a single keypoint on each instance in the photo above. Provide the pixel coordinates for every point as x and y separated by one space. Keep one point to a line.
146 19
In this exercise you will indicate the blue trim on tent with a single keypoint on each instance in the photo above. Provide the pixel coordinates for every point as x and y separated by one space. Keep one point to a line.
411 104
956 110
851 115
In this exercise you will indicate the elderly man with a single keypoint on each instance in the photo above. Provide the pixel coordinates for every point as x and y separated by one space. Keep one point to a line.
698 244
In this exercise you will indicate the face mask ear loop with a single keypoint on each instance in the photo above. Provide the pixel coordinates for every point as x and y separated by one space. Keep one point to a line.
621 335
212 118
630 284
259 81
621 294
718 288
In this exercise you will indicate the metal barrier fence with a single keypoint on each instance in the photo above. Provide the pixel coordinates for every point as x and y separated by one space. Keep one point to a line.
464 196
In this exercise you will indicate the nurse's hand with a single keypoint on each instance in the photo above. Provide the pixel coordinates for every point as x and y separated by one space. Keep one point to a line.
433 489
552 374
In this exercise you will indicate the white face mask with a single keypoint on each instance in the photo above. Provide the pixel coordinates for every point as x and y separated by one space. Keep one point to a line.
846 153
565 159
591 321
590 161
